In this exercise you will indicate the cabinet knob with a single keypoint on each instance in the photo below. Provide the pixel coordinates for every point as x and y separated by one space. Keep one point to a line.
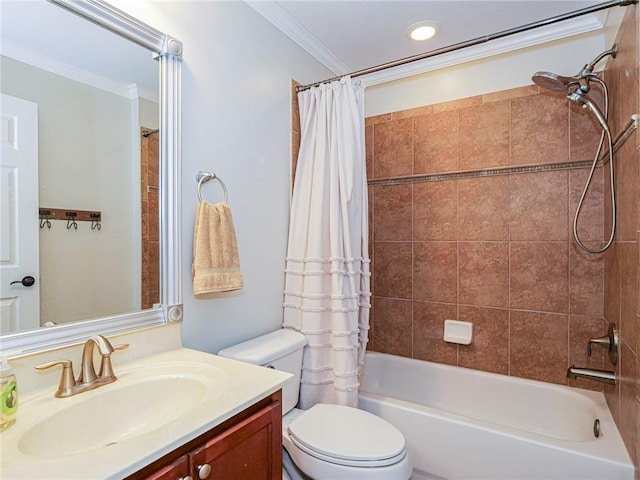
188 477
204 471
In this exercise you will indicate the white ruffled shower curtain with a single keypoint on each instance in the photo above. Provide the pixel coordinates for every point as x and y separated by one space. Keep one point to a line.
327 279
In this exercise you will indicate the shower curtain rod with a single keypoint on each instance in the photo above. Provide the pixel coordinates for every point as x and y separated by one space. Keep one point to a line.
478 40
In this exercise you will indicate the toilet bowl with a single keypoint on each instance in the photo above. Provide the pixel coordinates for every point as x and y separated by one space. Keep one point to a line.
331 442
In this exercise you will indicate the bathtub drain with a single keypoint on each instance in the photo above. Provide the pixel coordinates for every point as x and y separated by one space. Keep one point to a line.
596 427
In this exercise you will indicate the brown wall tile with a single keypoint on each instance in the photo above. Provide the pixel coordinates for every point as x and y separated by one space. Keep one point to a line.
489 350
628 400
428 332
392 206
586 282
393 148
627 191
484 136
434 211
435 272
539 277
612 284
484 273
539 129
393 319
368 141
539 346
483 208
628 293
392 264
436 142
538 206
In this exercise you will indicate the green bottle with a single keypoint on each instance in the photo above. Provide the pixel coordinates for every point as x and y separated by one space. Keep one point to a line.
8 396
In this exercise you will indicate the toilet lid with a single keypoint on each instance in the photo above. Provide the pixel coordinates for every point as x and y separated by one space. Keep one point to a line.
346 434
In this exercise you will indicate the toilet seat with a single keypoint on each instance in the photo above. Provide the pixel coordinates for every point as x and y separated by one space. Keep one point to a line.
347 436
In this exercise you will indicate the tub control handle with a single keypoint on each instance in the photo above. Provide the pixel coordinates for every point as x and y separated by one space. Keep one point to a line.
610 342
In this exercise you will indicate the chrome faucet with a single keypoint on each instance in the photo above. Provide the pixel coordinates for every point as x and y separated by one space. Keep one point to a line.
603 376
87 380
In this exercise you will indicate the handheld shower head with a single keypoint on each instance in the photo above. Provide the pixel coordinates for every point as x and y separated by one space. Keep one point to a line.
554 82
580 98
558 83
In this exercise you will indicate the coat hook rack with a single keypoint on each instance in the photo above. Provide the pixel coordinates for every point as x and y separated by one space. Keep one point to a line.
71 216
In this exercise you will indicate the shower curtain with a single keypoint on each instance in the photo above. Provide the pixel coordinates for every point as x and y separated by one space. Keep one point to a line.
327 275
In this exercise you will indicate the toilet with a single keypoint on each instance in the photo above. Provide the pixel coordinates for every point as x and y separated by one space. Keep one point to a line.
325 442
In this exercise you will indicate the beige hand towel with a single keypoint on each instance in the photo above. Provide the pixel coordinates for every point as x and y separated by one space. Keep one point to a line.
216 264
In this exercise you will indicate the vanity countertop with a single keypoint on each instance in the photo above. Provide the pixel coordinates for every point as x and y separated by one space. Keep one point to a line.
221 388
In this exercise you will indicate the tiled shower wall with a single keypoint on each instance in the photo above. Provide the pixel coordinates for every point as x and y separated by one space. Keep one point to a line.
494 250
150 230
621 294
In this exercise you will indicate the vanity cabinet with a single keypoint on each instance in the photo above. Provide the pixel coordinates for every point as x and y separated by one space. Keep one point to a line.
248 446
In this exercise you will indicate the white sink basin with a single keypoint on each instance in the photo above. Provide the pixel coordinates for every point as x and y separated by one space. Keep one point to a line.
112 417
136 404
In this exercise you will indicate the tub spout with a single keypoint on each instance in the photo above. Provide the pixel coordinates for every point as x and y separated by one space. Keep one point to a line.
603 376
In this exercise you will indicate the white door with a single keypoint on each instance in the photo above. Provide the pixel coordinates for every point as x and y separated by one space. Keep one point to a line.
19 223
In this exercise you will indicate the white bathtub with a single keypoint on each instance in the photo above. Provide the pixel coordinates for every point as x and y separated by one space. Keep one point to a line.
465 424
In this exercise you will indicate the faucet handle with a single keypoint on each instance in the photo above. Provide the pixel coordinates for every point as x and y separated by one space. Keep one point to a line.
610 342
67 382
106 369
121 346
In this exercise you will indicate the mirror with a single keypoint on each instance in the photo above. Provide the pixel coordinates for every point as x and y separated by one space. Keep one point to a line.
102 175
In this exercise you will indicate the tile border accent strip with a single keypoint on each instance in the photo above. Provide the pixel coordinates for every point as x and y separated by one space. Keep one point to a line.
487 172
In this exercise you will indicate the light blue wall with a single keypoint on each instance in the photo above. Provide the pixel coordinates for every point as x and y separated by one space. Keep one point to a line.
236 78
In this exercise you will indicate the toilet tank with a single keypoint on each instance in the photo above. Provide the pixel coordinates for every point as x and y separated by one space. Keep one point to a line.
281 350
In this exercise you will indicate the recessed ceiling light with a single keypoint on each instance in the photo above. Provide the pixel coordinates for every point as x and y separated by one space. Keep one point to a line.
422 31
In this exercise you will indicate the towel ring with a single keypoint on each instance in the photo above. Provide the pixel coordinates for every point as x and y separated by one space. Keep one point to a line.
203 177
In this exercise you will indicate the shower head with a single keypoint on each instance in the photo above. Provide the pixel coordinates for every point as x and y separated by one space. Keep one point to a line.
580 98
554 82
558 83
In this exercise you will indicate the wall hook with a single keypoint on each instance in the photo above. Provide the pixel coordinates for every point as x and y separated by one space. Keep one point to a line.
44 219
95 221
44 222
71 221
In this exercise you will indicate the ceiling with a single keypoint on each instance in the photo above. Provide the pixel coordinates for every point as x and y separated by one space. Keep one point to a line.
348 36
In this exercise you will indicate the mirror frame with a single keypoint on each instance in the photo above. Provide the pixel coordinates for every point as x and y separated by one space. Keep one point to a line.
169 53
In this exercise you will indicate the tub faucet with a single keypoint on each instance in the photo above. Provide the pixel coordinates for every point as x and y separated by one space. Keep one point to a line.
603 376
87 380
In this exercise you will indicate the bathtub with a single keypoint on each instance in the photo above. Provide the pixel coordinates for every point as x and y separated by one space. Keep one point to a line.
465 424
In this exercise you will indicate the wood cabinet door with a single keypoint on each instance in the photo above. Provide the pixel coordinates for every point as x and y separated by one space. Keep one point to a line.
177 470
249 450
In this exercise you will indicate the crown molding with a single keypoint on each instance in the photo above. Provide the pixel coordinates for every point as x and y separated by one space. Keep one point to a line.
299 34
569 28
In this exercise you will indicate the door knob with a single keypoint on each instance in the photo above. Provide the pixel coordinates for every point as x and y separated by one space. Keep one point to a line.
27 281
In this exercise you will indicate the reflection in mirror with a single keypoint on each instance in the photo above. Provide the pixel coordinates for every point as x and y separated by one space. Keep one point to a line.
88 106
21 138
